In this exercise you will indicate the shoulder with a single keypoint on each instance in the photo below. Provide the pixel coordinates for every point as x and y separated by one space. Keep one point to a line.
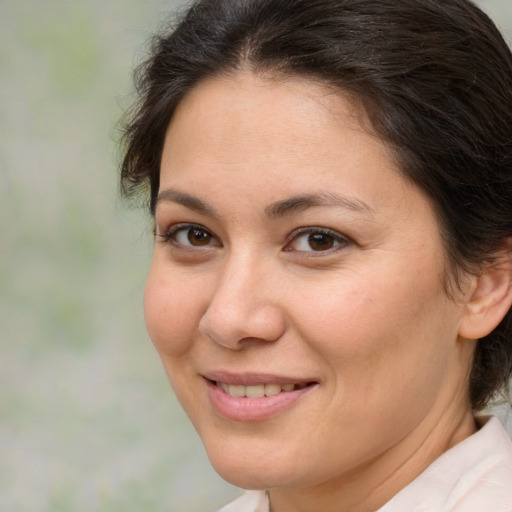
250 501
473 476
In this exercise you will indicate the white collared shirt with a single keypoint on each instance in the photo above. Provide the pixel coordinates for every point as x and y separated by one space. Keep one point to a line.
473 476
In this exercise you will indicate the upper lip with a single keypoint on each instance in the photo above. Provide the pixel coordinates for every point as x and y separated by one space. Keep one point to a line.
253 379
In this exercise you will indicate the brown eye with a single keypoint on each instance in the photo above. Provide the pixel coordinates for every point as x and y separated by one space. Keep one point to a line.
190 235
198 237
317 240
320 241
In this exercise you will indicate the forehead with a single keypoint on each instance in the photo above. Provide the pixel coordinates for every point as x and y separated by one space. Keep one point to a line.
252 95
266 123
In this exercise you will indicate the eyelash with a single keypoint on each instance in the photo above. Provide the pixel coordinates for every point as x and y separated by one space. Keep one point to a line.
339 241
170 235
337 238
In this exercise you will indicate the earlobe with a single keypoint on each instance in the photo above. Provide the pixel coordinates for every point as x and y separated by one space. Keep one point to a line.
490 299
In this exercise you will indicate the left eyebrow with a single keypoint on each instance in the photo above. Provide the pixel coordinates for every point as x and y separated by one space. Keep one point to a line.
303 202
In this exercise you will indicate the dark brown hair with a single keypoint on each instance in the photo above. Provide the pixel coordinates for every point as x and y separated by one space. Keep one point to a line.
433 76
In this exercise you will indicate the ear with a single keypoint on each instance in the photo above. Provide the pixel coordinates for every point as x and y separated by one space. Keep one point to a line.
490 298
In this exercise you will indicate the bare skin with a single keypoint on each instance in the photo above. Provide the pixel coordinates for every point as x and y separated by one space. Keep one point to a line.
290 249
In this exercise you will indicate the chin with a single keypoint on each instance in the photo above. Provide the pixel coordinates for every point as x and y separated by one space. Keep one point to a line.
246 479
248 470
258 470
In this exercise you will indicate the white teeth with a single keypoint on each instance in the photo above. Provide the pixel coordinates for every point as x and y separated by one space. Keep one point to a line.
254 391
272 389
257 391
236 390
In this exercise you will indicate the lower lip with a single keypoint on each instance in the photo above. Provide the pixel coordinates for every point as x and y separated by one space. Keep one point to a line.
253 409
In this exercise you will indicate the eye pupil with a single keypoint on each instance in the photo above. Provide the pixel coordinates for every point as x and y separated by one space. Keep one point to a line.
320 241
198 237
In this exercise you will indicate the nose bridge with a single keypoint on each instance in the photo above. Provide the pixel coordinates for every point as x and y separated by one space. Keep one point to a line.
243 305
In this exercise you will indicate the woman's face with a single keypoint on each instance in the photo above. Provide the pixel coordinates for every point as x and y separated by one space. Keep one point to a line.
295 294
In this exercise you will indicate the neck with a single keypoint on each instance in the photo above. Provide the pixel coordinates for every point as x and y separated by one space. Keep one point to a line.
369 487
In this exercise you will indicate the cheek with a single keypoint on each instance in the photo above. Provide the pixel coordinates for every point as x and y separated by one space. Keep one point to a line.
171 313
386 346
373 319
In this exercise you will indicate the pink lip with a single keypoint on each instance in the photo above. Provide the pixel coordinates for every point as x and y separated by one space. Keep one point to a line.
253 409
253 379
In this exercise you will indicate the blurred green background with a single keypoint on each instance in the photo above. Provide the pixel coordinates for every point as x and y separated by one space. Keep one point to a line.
87 418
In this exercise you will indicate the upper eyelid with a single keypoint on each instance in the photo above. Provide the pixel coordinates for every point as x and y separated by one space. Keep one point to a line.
344 242
174 228
317 229
168 236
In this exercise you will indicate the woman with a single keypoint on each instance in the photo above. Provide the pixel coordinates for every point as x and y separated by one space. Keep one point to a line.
330 290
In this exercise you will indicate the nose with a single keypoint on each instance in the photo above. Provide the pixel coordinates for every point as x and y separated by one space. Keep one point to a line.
244 308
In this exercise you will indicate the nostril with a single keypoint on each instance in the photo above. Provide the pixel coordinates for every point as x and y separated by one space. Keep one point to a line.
242 323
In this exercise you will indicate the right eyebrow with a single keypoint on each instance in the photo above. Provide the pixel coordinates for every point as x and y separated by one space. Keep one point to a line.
187 200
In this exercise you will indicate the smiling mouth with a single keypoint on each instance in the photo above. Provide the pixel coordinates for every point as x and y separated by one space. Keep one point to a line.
260 390
254 397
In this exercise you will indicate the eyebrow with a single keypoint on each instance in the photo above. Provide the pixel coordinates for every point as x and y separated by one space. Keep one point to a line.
187 200
277 209
303 202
